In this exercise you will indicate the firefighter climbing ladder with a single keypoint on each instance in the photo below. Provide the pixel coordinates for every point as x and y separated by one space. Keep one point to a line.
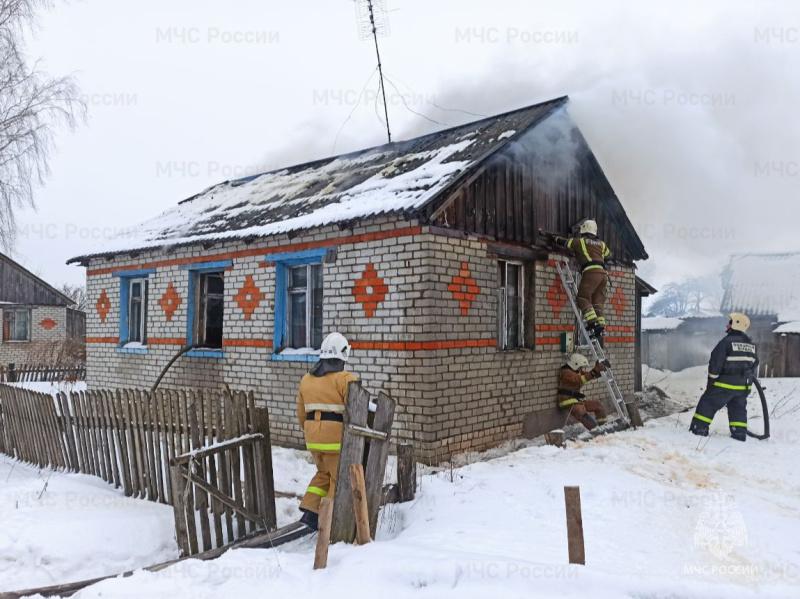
571 287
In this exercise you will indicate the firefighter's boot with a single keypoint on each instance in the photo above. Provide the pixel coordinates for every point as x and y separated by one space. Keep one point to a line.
310 520
698 427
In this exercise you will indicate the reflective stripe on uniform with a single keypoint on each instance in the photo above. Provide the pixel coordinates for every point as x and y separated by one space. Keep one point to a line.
584 380
590 315
324 446
602 420
569 244
738 424
595 267
324 407
703 418
586 252
601 320
568 402
606 251
741 359
317 491
732 387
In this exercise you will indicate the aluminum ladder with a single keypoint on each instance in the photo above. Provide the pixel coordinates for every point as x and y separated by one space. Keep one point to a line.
571 287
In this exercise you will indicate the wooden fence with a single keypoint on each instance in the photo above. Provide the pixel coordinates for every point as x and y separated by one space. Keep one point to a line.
40 374
129 438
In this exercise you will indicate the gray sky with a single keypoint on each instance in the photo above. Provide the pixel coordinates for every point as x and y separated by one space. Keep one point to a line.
691 108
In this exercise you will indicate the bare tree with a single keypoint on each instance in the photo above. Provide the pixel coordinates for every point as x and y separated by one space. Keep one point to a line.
32 106
76 293
680 299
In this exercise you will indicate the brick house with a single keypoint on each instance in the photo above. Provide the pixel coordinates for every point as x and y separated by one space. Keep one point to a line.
424 253
35 315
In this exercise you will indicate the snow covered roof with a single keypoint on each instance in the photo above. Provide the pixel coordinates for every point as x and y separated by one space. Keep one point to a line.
397 178
660 323
792 328
762 285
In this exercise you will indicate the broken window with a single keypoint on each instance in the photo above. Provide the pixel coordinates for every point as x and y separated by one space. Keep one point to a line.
16 325
210 309
511 308
137 311
304 306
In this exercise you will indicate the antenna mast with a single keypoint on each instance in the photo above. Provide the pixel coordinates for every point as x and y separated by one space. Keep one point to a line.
374 24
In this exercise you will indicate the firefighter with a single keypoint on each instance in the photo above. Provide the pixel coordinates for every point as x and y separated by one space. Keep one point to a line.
591 253
573 376
731 372
320 410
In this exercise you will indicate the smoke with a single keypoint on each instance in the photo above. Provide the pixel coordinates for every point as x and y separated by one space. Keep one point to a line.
691 112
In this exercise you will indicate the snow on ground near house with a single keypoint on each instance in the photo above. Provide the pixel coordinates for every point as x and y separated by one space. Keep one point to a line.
650 498
52 387
58 528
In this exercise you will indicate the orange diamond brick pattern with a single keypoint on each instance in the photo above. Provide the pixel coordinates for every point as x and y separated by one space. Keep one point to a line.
103 306
170 302
249 297
619 302
464 288
48 324
370 290
557 298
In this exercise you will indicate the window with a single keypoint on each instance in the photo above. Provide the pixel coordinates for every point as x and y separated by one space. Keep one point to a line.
304 307
297 336
137 311
511 315
16 325
210 310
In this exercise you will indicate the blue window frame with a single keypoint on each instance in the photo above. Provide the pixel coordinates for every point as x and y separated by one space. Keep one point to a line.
206 307
298 304
133 298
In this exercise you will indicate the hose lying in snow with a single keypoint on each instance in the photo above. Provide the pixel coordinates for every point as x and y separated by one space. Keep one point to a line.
764 407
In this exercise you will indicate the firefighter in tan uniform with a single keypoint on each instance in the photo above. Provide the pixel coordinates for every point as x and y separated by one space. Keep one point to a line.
320 411
591 253
573 376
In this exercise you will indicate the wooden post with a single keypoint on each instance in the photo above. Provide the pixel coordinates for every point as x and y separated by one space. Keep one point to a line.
324 538
12 374
343 527
577 552
406 472
557 438
360 509
377 457
632 404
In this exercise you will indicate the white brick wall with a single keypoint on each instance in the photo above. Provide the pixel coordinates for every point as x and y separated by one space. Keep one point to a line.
449 399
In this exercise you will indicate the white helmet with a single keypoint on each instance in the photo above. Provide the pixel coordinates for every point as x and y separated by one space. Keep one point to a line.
739 322
335 347
577 362
589 226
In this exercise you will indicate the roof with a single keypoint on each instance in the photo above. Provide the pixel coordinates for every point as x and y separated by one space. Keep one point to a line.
763 285
401 178
790 328
660 323
40 287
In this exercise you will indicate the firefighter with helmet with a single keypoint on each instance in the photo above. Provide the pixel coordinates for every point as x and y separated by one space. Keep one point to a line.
591 252
572 377
320 410
731 371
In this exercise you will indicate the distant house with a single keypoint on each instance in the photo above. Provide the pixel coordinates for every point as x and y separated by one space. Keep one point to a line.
679 343
424 253
35 316
766 287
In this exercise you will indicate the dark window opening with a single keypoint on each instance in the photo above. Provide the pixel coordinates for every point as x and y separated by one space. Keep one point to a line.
210 309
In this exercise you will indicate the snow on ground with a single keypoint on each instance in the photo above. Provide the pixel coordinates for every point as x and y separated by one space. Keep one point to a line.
651 498
60 528
52 388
